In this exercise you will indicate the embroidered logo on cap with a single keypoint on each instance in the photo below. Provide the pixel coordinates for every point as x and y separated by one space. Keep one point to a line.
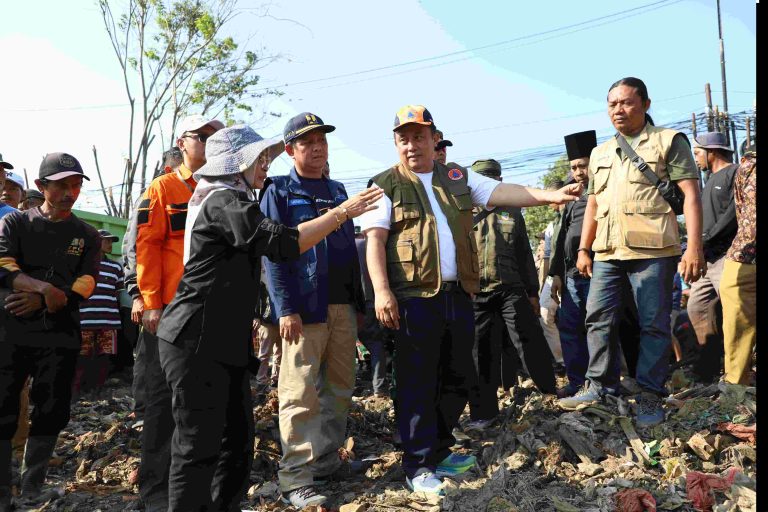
455 174
66 160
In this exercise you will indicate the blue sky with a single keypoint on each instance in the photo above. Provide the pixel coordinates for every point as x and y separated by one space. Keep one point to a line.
62 88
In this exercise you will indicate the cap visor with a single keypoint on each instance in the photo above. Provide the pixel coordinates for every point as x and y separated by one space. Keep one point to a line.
425 123
65 174
326 128
113 238
6 165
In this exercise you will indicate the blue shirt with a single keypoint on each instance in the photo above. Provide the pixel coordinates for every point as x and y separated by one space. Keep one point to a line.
5 210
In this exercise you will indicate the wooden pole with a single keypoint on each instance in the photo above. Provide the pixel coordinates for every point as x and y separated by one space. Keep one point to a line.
708 97
26 179
693 124
101 182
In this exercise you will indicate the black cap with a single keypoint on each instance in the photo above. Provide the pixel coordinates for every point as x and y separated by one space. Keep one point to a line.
56 166
32 193
4 164
303 123
443 143
108 236
581 144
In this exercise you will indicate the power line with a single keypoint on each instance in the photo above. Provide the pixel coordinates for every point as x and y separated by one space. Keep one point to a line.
477 48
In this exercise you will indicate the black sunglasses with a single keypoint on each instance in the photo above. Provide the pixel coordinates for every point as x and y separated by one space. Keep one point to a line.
199 136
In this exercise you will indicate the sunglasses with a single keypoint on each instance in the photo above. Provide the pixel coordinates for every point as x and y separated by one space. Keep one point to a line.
199 136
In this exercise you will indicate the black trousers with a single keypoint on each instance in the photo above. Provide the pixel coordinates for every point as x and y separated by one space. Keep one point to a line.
52 370
495 312
433 364
157 431
212 447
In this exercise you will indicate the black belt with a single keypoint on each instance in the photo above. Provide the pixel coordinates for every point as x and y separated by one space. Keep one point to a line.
450 286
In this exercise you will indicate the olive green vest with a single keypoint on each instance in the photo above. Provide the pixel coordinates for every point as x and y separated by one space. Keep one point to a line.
633 218
413 257
495 236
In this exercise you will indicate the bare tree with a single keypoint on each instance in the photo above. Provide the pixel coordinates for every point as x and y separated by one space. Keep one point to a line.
175 59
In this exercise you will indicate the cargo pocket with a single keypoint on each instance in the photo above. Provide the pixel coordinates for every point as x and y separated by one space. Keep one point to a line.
600 178
648 225
405 208
177 217
463 201
603 232
400 259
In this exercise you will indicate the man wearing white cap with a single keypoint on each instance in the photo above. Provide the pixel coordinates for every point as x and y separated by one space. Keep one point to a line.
161 217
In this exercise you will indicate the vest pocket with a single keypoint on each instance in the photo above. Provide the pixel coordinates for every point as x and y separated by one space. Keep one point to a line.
600 178
401 266
603 233
637 176
463 201
648 225
402 210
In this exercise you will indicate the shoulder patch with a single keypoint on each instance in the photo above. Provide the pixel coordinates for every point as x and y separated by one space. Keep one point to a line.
455 174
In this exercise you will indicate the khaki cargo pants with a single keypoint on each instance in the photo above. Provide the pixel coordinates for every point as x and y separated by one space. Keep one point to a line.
317 378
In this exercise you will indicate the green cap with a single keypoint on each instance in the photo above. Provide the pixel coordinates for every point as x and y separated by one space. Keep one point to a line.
490 168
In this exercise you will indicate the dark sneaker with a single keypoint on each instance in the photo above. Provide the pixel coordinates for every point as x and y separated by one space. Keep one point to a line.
462 439
649 410
426 482
455 464
303 497
567 391
588 395
346 471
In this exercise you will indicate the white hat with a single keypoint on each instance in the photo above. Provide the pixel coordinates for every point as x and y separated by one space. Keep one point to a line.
232 150
16 179
192 123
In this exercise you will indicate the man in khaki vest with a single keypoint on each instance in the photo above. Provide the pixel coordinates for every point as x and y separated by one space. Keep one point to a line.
422 258
633 232
508 301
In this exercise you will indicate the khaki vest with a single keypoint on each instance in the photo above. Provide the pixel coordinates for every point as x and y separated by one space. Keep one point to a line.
495 236
413 257
634 220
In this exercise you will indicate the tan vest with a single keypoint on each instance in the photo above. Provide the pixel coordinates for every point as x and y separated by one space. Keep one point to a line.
413 257
634 221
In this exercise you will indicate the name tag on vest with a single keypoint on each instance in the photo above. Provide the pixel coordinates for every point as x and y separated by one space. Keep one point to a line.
298 202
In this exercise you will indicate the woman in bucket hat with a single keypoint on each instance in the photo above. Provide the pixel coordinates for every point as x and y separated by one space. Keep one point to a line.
206 329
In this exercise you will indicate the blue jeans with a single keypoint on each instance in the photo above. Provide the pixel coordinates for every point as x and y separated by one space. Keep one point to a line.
573 331
650 281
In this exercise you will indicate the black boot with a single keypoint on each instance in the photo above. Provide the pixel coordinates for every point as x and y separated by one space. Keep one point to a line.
36 456
5 475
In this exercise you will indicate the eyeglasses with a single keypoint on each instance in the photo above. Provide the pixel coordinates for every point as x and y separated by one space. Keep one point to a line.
199 136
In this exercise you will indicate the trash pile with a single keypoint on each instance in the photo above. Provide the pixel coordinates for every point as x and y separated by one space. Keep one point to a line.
536 457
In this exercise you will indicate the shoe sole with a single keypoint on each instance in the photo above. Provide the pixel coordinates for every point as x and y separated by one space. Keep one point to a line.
438 492
576 407
288 502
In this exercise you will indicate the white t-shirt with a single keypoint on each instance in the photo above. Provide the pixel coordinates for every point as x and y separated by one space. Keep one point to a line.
481 189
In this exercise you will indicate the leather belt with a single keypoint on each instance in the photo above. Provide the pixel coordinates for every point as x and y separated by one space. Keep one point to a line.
450 286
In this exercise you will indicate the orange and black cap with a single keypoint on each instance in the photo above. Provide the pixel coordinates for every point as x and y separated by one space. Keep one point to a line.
413 114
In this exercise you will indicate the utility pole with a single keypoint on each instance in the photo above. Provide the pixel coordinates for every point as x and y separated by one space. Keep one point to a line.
725 87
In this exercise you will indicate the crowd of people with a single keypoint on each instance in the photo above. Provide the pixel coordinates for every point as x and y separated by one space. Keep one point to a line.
235 275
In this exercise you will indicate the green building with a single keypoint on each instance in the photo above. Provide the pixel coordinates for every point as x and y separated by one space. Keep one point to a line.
115 225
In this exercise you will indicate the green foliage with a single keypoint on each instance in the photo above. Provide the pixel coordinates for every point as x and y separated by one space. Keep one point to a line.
176 60
537 218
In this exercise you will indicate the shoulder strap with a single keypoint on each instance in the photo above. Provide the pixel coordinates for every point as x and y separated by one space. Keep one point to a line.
480 217
637 160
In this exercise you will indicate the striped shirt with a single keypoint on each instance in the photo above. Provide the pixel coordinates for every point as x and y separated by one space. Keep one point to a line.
102 310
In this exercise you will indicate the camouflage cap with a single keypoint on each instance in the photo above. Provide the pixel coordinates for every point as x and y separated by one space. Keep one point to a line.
490 168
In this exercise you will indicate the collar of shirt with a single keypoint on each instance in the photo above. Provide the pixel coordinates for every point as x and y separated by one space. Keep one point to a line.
185 172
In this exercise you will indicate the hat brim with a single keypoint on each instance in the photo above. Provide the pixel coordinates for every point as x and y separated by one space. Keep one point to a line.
424 123
326 128
235 163
6 165
714 146
112 238
443 144
191 129
65 174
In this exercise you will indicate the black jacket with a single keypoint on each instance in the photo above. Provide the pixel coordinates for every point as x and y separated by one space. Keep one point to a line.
221 278
562 261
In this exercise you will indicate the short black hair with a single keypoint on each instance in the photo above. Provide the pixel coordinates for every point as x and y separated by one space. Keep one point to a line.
172 158
639 86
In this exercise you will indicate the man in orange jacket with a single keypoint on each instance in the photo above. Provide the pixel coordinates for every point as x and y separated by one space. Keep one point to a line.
161 217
